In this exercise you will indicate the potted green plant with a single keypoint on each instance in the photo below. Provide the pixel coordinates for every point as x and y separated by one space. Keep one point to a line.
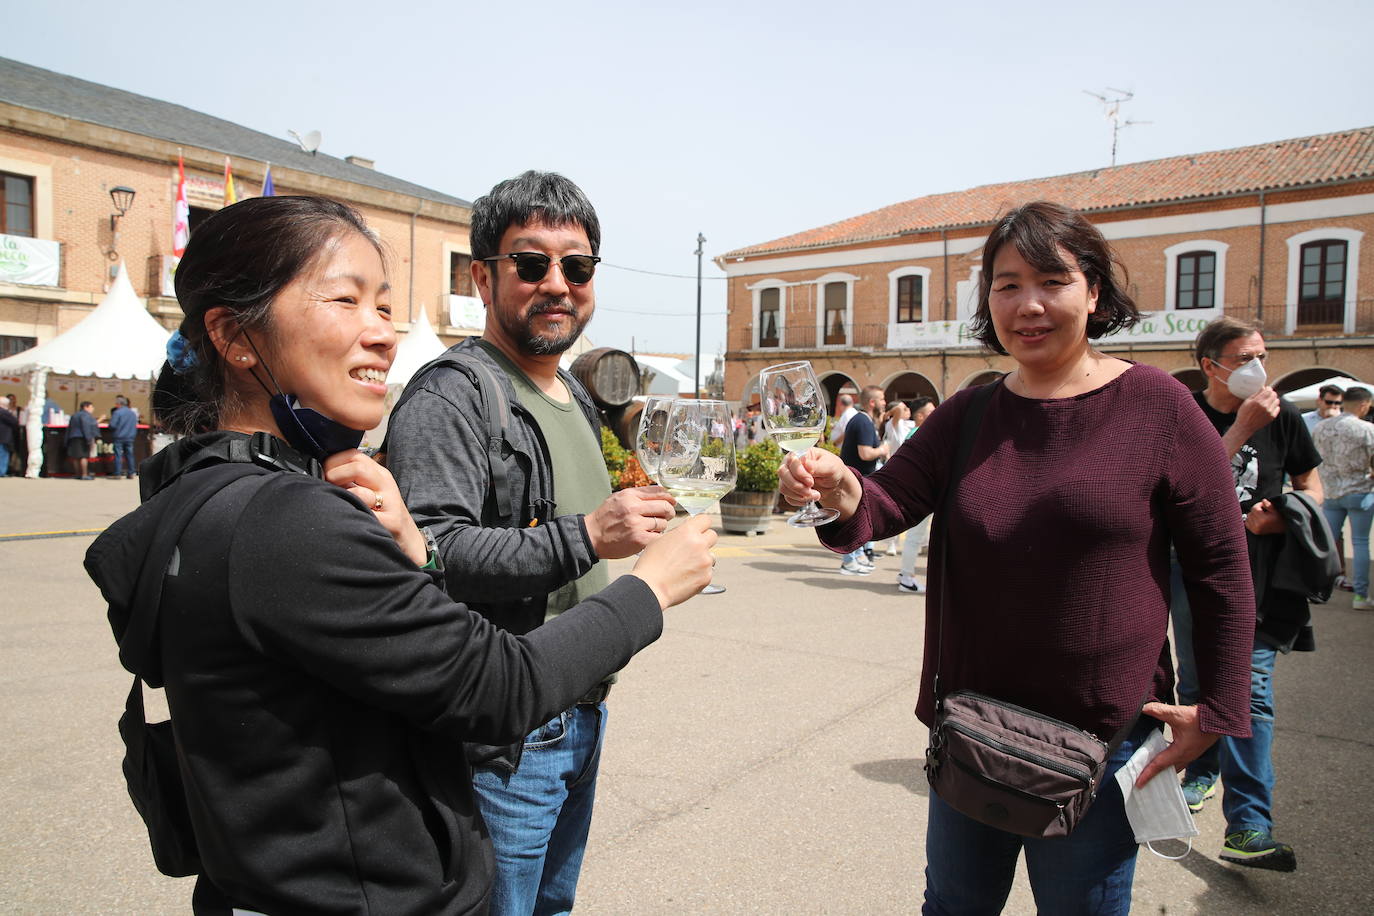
748 509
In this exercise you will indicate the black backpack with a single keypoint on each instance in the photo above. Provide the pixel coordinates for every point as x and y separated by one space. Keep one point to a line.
151 767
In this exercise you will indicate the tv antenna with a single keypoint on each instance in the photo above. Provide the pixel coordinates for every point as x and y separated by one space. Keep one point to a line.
310 142
1112 105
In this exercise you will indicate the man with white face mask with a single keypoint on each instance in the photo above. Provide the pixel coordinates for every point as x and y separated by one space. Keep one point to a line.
1266 439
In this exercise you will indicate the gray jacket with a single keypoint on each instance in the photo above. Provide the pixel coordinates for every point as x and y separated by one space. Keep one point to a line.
437 450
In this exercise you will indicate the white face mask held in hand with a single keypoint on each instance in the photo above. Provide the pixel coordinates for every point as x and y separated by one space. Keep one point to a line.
1158 811
1247 381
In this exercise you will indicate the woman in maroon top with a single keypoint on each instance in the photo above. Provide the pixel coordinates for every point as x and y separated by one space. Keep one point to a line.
1085 468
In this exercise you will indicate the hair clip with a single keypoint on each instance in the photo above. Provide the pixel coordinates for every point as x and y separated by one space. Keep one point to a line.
180 356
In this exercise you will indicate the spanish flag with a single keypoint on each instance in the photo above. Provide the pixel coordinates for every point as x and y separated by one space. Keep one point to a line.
230 195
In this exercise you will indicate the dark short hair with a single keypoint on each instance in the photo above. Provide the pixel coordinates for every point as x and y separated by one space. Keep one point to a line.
544 197
85 404
1039 230
241 258
1212 339
121 400
1325 390
920 403
1358 394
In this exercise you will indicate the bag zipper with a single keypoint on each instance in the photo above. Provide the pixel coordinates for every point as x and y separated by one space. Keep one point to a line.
1083 776
988 780
1032 713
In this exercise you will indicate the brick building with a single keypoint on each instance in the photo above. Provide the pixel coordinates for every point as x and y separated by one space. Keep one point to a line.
66 143
1269 233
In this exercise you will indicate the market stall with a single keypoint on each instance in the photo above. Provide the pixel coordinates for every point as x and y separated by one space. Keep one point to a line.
117 345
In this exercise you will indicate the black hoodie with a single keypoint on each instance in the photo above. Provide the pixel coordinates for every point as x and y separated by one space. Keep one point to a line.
320 687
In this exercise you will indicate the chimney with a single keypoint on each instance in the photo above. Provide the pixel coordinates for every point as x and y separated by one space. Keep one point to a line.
360 161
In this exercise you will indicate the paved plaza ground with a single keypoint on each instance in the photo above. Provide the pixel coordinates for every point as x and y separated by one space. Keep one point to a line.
762 757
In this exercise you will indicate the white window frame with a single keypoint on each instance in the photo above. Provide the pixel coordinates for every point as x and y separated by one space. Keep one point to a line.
1351 237
756 289
1171 256
821 283
908 271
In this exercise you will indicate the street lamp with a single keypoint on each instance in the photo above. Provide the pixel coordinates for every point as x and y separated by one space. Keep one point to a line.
123 199
696 365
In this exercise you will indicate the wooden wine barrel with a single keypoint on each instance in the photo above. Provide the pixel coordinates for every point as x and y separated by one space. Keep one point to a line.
625 423
610 375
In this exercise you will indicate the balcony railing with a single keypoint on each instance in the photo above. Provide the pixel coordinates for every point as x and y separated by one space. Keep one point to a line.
1157 327
804 337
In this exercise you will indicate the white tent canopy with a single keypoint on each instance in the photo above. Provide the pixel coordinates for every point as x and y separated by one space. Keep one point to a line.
119 339
668 375
419 346
1307 396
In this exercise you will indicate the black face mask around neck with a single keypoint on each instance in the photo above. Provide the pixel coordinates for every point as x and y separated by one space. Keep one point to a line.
307 431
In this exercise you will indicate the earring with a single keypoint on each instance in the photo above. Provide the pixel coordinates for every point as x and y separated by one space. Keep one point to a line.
242 359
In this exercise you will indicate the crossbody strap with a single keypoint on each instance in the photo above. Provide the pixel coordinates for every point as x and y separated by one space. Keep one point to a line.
968 431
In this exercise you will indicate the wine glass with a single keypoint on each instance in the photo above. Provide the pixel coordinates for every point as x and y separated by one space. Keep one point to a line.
794 415
697 461
653 423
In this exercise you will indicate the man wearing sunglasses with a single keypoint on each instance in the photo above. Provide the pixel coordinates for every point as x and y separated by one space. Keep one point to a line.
534 255
1330 400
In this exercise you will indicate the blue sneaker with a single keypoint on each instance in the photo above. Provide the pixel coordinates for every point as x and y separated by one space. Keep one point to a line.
1258 849
1197 790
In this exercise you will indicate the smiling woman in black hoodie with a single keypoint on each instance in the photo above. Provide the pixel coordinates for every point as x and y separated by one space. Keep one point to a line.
319 679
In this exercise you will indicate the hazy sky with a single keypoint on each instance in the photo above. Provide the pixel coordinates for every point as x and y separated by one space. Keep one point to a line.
744 121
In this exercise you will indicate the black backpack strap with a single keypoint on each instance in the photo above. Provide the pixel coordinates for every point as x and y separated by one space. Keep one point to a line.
496 411
150 754
498 421
186 497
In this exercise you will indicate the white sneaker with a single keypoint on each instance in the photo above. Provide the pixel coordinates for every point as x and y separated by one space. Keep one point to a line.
1361 603
909 585
851 568
866 563
892 549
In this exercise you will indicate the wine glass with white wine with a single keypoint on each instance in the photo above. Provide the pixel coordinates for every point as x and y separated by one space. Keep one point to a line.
697 462
794 414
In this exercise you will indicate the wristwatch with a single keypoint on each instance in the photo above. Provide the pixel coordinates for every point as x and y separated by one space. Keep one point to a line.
435 561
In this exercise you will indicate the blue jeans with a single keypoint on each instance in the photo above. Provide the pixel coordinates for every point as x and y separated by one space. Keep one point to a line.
1245 765
539 816
970 866
1336 510
4 459
123 457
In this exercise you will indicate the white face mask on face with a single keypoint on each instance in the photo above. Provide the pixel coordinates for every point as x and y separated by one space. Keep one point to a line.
1247 381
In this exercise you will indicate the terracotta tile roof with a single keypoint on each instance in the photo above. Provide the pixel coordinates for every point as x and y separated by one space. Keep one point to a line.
1268 166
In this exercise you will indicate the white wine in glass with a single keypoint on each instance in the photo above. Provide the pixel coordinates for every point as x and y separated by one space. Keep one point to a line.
794 414
697 461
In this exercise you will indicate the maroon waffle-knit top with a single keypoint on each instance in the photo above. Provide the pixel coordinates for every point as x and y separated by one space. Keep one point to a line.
1057 587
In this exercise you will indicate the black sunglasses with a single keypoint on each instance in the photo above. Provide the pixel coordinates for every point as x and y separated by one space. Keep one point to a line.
1332 403
531 266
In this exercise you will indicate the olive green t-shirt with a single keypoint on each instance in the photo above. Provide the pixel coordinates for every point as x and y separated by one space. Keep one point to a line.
580 481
